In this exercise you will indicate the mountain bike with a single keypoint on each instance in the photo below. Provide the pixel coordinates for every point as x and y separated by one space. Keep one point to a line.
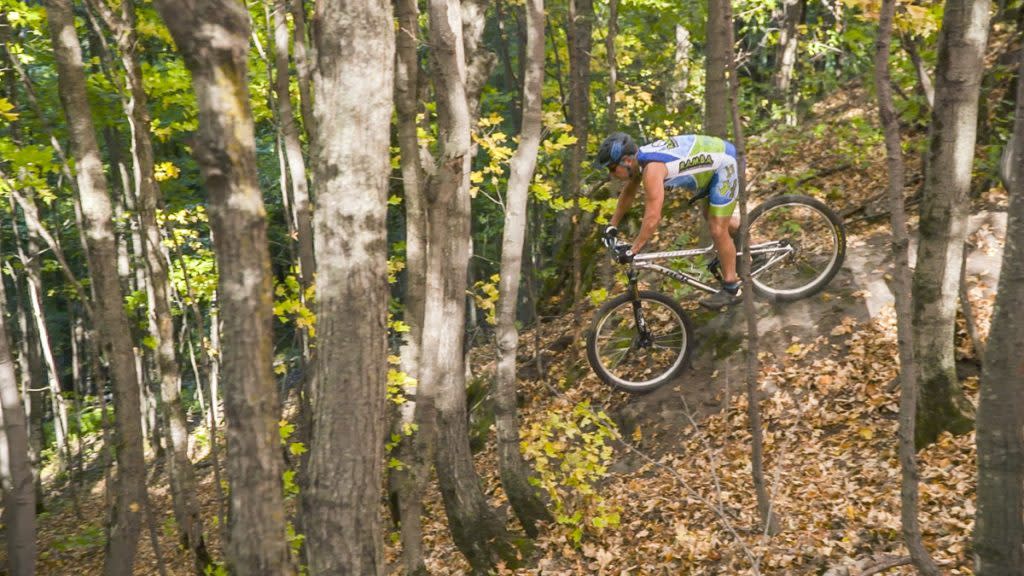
642 339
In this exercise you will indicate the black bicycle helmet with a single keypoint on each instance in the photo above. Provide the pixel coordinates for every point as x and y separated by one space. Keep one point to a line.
614 147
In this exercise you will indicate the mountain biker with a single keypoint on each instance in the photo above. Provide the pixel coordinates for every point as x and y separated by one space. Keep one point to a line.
702 164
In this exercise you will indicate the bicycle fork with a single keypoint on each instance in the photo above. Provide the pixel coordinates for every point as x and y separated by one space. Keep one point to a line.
643 332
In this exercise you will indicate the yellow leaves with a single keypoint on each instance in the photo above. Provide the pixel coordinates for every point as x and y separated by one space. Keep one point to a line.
395 265
866 433
485 294
165 171
5 110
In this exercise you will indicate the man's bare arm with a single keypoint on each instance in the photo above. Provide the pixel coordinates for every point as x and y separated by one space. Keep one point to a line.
625 201
654 197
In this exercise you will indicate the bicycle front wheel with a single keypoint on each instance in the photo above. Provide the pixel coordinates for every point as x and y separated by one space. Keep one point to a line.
797 245
639 357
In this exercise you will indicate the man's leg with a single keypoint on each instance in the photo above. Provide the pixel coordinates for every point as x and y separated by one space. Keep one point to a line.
722 223
722 238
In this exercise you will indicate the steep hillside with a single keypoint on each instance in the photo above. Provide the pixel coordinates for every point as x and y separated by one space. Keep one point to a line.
679 479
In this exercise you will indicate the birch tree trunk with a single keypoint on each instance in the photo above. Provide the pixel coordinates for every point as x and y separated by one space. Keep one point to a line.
944 210
213 37
19 514
110 319
909 501
999 522
475 528
528 506
716 89
352 104
147 198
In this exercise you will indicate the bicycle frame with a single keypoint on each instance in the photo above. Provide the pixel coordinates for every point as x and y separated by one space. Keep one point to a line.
775 252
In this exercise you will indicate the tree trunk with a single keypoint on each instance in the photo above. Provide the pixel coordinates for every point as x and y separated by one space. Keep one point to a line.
680 70
923 79
303 65
19 513
716 89
526 502
213 36
352 105
999 522
415 452
110 320
579 31
764 504
293 149
943 227
902 294
475 528
147 199
613 67
41 363
785 59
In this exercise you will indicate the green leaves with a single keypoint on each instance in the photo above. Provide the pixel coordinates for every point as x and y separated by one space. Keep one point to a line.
571 453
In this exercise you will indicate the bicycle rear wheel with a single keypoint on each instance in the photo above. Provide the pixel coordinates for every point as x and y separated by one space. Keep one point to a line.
797 246
624 357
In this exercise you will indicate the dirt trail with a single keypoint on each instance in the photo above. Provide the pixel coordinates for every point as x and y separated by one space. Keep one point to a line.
861 291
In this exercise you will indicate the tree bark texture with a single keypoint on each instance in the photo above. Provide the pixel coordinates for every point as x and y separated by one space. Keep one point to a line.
579 31
110 319
944 210
353 86
475 528
680 69
999 522
909 501
147 199
716 89
303 66
302 214
213 36
19 514
528 506
416 451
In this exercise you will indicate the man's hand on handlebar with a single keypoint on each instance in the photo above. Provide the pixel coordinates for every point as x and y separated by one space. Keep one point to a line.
623 253
610 236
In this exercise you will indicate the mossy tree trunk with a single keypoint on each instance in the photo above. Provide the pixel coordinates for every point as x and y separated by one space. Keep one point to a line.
943 225
213 37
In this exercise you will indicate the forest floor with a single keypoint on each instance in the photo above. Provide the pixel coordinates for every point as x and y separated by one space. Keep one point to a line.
680 479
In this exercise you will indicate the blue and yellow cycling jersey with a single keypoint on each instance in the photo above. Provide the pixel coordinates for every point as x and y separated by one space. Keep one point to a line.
697 163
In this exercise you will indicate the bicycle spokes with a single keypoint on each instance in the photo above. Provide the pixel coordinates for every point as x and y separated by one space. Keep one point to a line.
640 340
797 243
